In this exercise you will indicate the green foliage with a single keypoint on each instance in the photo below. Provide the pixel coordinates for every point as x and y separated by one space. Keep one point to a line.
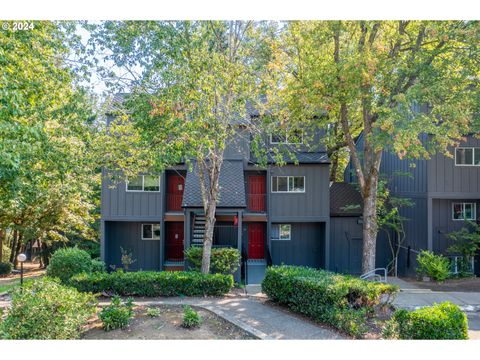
442 321
435 266
126 258
149 283
5 269
191 319
68 262
223 260
341 301
466 242
47 310
98 266
117 315
153 312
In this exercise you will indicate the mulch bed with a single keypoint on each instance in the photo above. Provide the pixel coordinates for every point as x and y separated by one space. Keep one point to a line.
168 326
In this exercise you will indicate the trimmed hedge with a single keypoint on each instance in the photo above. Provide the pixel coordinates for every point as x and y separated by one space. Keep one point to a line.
442 321
5 269
344 302
151 283
68 262
223 260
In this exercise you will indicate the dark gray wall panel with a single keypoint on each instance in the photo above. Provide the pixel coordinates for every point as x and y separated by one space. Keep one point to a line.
118 203
128 235
443 224
315 202
445 177
306 246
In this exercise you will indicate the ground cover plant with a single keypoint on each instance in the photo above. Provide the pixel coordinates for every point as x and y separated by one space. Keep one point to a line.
191 319
117 315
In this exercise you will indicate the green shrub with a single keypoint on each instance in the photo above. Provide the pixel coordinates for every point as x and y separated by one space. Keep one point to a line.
5 269
150 283
153 312
436 267
191 319
342 301
223 260
441 321
116 315
68 262
98 266
47 310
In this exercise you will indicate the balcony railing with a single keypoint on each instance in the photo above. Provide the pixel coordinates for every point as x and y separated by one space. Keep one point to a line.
257 202
174 202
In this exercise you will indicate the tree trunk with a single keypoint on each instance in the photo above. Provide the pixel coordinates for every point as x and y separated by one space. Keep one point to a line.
2 235
17 250
13 245
208 236
370 229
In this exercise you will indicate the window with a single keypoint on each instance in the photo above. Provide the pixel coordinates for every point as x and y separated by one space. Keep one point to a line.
287 137
464 211
281 232
294 184
144 183
467 156
150 231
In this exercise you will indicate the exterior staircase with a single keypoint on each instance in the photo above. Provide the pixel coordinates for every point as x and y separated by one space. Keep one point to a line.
198 229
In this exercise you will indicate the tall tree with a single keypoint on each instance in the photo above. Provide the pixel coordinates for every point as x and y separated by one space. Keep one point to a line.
372 76
190 83
47 172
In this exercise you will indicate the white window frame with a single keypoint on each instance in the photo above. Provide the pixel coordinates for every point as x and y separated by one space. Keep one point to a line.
279 232
286 142
474 212
153 236
474 150
143 185
288 182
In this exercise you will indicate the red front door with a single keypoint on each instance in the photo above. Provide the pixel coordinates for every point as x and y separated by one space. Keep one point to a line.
175 186
256 241
256 193
174 241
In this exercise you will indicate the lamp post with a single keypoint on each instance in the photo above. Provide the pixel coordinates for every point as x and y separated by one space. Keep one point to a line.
21 259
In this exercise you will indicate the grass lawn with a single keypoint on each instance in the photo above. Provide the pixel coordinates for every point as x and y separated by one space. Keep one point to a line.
8 286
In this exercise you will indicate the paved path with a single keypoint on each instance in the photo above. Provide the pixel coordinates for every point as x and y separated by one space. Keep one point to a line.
262 320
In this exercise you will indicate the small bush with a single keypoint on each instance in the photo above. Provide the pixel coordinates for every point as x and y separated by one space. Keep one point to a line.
98 266
68 262
116 315
5 269
341 301
191 319
223 260
441 321
47 310
153 312
436 267
151 283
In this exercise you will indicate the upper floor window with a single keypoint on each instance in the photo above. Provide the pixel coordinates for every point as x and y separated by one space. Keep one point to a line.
281 232
464 211
287 137
294 184
144 183
150 231
467 156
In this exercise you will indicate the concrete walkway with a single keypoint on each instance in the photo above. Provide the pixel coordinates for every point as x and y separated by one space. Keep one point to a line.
252 315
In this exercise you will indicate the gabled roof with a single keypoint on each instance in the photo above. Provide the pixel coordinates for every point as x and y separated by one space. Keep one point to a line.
232 186
342 195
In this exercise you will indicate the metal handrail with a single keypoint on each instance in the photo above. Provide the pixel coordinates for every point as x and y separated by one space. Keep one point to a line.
373 274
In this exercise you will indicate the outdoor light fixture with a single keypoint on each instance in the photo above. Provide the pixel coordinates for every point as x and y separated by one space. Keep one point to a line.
21 259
